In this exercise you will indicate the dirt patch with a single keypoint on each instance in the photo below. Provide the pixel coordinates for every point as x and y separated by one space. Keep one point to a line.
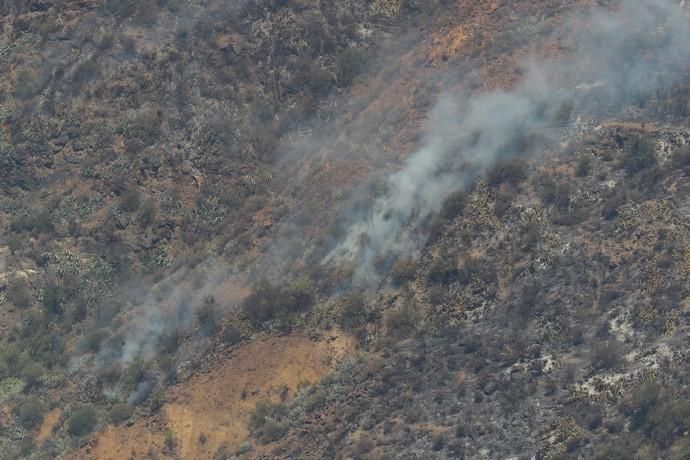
49 421
139 440
212 409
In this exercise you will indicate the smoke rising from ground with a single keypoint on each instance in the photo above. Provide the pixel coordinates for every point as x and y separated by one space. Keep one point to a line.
621 57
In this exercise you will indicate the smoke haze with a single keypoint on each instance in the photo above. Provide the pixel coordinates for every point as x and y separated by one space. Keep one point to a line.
621 57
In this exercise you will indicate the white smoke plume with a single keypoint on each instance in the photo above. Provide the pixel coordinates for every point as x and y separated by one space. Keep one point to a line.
621 56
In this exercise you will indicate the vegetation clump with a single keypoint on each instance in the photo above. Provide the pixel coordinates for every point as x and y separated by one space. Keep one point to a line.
82 421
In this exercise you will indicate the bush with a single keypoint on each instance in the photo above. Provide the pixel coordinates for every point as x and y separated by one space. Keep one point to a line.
19 293
31 374
639 155
444 268
206 315
120 412
91 342
133 374
263 303
353 311
453 205
583 166
564 112
263 412
555 193
510 172
82 421
300 295
130 200
147 213
40 223
661 415
169 341
267 301
403 271
609 209
320 82
231 334
402 322
269 421
30 413
85 71
681 158
607 355
52 298
349 64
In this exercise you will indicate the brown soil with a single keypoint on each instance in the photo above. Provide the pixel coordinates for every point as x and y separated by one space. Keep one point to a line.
212 408
49 421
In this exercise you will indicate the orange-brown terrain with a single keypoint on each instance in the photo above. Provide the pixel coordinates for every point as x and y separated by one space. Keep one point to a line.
211 409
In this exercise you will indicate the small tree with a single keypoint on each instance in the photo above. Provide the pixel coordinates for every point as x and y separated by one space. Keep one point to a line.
403 271
120 412
206 315
82 421
349 64
30 413
639 155
19 292
130 200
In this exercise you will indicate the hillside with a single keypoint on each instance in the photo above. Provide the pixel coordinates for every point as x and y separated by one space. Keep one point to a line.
355 229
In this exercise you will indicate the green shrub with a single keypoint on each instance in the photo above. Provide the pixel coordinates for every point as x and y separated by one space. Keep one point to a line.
19 292
30 413
404 321
583 166
262 412
206 315
86 71
82 421
91 342
320 82
667 421
231 334
130 200
564 112
107 42
555 192
9 388
403 271
268 421
269 301
52 298
609 209
31 374
681 157
148 213
454 205
40 223
353 312
169 341
28 84
639 155
170 442
607 355
349 64
263 303
444 268
510 172
300 295
133 374
120 412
